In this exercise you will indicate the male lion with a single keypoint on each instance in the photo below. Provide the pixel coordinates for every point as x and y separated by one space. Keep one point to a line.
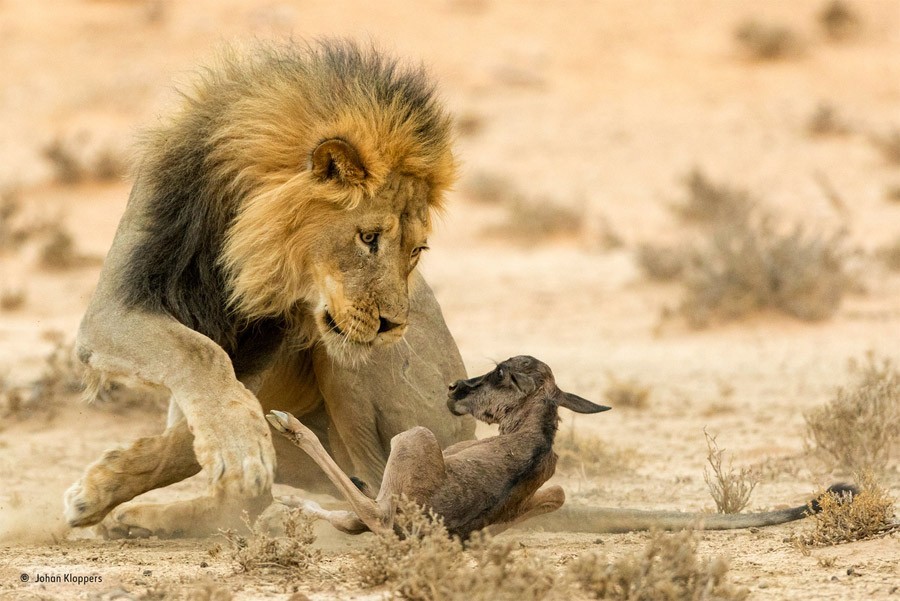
267 260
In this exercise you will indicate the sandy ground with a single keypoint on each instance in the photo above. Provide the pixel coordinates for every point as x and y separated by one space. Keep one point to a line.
600 106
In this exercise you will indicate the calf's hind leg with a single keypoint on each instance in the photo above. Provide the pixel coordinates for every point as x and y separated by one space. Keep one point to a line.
415 468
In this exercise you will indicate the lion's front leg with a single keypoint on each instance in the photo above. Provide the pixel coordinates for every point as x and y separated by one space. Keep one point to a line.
231 439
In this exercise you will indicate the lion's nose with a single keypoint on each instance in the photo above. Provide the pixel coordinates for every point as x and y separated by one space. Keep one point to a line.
386 325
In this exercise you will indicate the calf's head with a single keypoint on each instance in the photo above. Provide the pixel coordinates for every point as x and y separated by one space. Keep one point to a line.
509 389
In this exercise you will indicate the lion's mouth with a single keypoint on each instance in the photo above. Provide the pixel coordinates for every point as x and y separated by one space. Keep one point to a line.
332 325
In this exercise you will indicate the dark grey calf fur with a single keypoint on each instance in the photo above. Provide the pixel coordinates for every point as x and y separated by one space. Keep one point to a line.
472 484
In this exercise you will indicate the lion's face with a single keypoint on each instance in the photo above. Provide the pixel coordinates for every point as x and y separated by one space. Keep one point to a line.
361 263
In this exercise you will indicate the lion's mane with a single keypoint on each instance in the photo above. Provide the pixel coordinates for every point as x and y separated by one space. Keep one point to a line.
228 194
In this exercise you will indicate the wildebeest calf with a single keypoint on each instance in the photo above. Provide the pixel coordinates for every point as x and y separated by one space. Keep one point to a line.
473 484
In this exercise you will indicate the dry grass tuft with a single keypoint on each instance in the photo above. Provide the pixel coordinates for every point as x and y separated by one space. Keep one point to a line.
859 429
668 569
708 201
661 263
749 265
58 250
762 41
71 164
839 21
530 220
204 589
889 145
263 551
890 255
11 298
421 562
846 518
590 456
626 393
730 489
489 188
825 121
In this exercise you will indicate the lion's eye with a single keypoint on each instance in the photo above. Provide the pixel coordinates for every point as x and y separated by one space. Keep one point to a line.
370 239
418 251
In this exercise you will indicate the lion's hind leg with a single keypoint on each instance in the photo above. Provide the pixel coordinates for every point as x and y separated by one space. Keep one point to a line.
122 474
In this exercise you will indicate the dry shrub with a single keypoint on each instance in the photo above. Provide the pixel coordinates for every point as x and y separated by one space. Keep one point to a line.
590 456
844 518
262 551
541 218
61 377
860 428
892 193
489 188
890 254
12 235
889 145
626 392
469 124
825 121
767 41
65 161
72 164
421 562
730 489
748 265
58 250
204 589
11 298
839 21
661 263
668 569
709 201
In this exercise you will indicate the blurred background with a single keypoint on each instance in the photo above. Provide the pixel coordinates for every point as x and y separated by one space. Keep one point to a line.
690 209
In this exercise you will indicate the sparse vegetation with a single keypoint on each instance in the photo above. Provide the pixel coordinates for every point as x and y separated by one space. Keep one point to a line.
661 263
668 569
61 376
541 218
846 518
708 201
469 124
489 188
626 392
825 121
730 489
839 21
859 429
261 550
890 254
421 562
889 145
767 41
11 298
11 236
71 165
590 456
748 265
58 250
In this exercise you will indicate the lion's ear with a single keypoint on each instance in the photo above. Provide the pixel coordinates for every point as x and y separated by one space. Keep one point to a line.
338 160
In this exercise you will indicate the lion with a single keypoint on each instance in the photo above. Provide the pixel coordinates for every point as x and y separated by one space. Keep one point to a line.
266 260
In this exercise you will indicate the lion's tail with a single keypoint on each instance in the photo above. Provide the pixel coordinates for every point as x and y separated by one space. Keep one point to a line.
574 518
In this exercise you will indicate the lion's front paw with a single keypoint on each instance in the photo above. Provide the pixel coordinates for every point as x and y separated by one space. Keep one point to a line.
237 452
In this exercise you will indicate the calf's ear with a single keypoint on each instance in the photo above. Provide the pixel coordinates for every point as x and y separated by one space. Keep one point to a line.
578 404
